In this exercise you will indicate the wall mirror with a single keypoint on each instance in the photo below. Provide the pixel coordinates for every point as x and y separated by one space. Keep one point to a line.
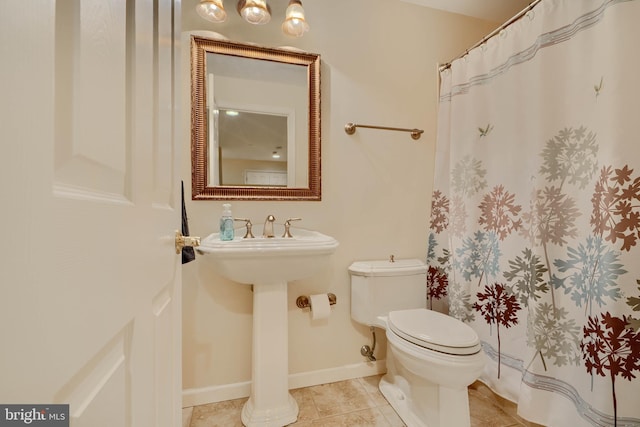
255 122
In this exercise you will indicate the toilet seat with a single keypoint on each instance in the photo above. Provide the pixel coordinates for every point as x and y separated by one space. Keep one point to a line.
434 331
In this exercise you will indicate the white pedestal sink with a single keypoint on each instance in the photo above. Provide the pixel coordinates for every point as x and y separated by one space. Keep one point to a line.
268 264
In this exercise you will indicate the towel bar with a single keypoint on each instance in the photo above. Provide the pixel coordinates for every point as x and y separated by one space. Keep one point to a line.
350 129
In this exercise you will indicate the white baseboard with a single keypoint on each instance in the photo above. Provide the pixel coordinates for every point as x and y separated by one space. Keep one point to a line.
219 393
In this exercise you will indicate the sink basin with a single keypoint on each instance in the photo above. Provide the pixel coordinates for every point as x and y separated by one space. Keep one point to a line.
268 264
269 259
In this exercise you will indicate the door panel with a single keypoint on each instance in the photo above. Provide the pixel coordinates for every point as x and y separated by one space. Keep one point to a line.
91 282
92 73
100 383
164 170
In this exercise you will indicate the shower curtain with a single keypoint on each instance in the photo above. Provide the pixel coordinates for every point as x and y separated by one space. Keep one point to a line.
535 225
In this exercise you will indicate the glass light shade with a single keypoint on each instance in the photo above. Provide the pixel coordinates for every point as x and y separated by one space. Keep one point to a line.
212 10
255 11
294 24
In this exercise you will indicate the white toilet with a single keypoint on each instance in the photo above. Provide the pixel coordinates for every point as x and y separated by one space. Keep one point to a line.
431 357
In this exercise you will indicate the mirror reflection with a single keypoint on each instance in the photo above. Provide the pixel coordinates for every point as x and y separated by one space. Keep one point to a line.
255 122
252 149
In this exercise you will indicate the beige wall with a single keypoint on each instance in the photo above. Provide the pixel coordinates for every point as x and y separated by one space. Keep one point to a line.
379 66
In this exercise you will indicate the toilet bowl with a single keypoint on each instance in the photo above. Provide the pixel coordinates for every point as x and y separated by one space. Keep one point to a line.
431 357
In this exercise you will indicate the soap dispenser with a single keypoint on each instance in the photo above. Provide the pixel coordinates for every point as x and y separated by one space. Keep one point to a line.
226 223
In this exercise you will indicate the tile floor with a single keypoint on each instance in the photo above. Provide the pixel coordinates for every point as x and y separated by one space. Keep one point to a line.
352 403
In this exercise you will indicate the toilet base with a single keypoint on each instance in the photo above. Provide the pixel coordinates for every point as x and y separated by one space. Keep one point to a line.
428 393
397 396
437 406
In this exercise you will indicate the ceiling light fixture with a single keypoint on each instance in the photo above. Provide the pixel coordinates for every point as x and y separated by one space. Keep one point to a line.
212 10
294 24
257 12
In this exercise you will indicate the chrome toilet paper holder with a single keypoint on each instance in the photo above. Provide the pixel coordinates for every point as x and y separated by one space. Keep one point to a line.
303 301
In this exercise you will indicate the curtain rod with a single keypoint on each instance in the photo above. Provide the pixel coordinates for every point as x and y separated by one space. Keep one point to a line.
493 33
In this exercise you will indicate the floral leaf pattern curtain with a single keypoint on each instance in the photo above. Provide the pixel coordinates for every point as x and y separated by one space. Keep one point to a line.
535 224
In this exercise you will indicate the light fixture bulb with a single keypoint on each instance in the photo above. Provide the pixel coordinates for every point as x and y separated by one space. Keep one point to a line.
254 11
294 24
212 10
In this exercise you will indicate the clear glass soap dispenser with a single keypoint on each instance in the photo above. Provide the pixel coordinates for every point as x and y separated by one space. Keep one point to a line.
226 223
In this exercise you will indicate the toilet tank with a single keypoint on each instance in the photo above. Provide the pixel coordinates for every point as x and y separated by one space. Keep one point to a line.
378 287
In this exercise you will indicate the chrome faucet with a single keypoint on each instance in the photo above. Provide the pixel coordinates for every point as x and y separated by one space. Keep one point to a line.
267 231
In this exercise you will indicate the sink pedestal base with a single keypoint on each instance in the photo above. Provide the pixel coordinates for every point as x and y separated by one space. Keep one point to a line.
251 417
270 404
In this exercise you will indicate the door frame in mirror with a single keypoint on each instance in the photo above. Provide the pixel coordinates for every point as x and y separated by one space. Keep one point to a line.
200 188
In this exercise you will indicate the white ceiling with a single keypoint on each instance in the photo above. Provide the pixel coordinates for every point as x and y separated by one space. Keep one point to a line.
498 11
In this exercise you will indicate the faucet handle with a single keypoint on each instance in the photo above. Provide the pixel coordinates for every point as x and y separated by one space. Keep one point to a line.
248 224
287 226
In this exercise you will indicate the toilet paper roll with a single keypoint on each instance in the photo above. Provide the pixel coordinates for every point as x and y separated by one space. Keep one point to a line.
320 307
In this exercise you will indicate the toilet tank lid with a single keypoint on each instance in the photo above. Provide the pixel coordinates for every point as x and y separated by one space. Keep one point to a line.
398 267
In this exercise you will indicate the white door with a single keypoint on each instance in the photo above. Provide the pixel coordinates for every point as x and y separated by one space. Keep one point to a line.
89 190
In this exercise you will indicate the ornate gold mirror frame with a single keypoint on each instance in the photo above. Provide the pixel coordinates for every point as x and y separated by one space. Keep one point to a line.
199 133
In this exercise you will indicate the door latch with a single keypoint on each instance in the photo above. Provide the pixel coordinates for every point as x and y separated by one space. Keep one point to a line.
182 241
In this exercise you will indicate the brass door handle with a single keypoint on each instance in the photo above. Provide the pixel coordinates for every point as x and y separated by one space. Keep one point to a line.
182 241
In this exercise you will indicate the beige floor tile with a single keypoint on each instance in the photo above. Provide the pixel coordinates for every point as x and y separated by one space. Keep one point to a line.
361 418
485 413
220 414
391 416
340 398
306 407
481 391
186 416
370 385
354 403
